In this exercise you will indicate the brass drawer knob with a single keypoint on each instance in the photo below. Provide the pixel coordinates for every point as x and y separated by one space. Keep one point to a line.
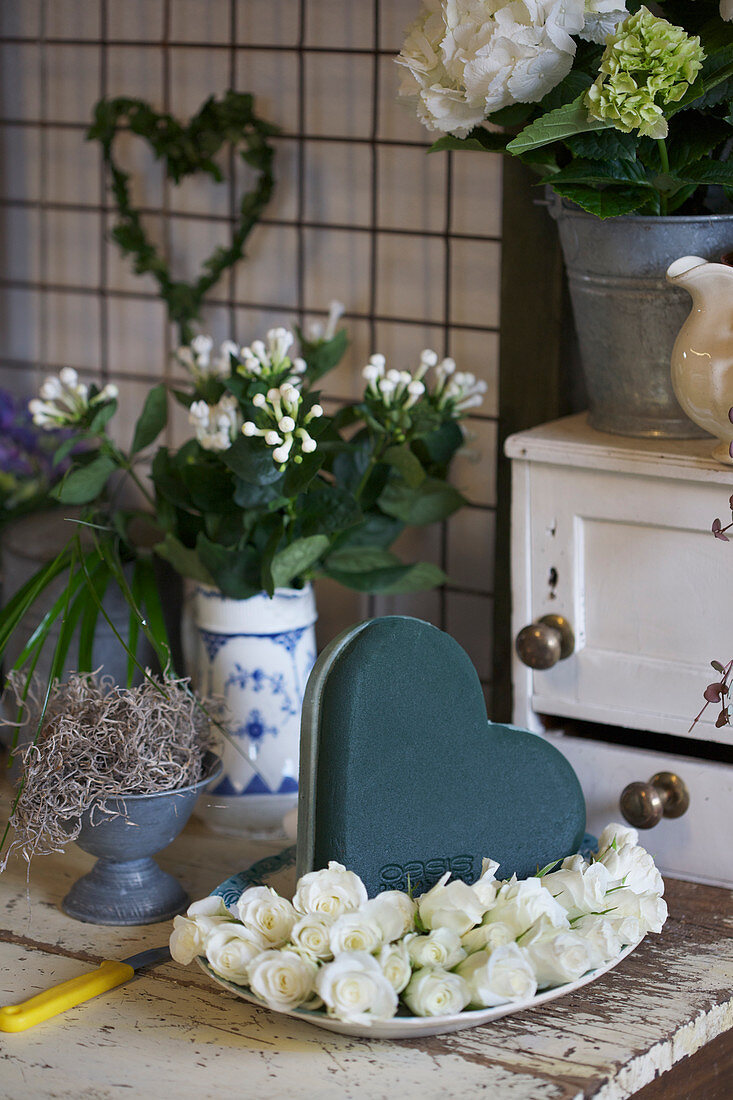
644 804
542 644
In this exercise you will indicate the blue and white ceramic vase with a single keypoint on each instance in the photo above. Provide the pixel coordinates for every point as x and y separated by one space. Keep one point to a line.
256 655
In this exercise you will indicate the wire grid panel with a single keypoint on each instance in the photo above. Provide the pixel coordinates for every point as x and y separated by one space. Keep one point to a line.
409 242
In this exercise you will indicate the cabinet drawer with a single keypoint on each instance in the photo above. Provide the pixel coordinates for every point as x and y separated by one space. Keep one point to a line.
696 846
631 562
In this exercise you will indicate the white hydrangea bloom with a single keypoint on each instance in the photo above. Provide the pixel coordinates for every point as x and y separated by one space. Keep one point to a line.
602 17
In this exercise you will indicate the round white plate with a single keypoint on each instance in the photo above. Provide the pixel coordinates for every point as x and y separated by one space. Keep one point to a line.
278 872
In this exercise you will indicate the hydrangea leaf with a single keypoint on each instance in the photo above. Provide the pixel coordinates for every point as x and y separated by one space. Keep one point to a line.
571 119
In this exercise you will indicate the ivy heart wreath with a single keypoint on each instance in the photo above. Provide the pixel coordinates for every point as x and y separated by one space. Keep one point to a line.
184 150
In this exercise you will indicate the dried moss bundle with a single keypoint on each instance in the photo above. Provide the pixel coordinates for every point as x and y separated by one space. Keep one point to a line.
100 740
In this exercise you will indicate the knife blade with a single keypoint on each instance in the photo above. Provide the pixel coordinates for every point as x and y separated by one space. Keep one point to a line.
75 991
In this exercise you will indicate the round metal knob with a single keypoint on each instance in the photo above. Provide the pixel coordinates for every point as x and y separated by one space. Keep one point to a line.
542 644
644 804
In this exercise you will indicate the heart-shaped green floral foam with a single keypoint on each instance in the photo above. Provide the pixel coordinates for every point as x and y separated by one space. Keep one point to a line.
184 150
403 778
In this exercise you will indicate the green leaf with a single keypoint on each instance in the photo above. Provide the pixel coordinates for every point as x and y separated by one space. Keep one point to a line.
361 559
250 459
375 530
438 447
570 88
295 559
327 508
605 145
18 604
185 562
152 419
480 139
571 119
402 459
234 570
434 500
608 172
210 485
708 172
395 580
84 484
610 203
247 495
90 614
102 417
516 114
323 357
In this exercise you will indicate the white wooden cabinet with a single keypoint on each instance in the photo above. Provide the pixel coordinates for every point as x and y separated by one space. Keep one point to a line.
614 534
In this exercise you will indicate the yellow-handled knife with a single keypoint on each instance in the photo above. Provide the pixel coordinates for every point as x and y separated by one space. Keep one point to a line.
77 990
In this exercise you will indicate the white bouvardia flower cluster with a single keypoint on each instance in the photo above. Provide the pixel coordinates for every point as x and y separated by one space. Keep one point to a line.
64 401
454 392
466 59
456 946
216 426
198 360
283 423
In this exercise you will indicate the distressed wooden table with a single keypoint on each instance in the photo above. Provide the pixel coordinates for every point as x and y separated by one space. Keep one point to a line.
171 1030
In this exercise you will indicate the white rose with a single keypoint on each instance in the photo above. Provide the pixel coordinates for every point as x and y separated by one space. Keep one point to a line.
631 865
441 947
649 909
395 963
486 886
579 891
263 911
487 936
353 988
212 906
563 957
435 992
356 931
617 835
601 937
330 892
230 949
520 904
312 934
453 905
628 928
394 912
283 979
504 975
188 938
574 863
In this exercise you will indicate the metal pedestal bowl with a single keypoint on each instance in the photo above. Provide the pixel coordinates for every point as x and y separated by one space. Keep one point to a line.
126 886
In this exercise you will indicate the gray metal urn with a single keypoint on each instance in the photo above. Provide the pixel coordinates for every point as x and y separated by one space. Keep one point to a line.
126 886
627 316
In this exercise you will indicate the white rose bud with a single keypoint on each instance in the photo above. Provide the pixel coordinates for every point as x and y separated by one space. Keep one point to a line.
353 988
649 909
435 992
617 835
282 979
211 906
311 933
187 940
230 949
487 936
564 957
441 947
395 963
520 904
330 892
453 905
494 979
603 942
394 912
263 911
485 888
579 891
355 931
632 866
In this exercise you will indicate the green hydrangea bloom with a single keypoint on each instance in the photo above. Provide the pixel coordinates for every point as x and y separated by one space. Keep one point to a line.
647 63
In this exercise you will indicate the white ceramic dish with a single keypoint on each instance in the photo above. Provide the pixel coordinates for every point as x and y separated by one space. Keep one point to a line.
279 872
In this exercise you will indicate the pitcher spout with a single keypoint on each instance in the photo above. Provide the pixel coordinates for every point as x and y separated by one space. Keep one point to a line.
697 275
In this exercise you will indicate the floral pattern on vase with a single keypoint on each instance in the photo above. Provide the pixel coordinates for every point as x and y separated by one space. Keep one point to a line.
255 655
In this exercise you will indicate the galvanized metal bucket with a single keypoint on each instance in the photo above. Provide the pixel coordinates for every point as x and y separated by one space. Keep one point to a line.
627 316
